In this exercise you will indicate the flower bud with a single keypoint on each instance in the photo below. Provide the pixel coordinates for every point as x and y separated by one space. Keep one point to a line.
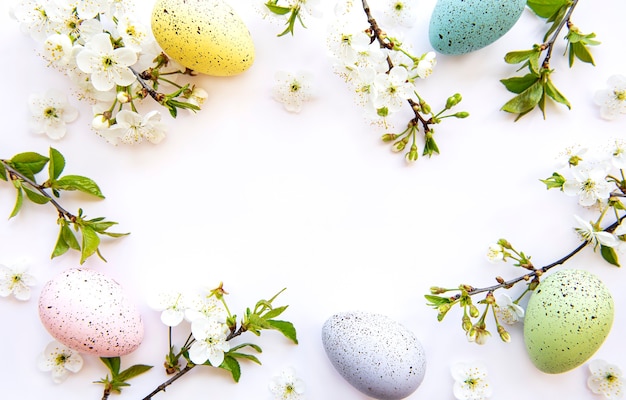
504 335
400 145
452 101
466 323
412 155
100 122
462 114
389 137
437 290
474 311
425 108
123 97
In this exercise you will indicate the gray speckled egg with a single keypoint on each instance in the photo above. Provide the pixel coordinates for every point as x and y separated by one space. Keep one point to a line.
88 312
462 26
206 36
568 317
375 354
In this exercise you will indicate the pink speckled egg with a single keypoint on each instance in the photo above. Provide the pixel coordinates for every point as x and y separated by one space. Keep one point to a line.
88 312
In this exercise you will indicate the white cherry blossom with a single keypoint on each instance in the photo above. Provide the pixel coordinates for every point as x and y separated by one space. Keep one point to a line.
589 184
211 343
60 360
293 89
17 281
470 381
612 101
108 67
131 128
287 386
606 379
50 112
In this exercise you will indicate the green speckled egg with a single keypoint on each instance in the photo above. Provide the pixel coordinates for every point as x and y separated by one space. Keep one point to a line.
568 317
462 26
206 36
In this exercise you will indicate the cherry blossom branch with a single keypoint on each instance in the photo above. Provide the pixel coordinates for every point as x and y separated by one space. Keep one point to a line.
535 273
164 385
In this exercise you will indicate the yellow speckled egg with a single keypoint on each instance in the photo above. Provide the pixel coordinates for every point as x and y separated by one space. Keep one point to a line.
206 36
568 317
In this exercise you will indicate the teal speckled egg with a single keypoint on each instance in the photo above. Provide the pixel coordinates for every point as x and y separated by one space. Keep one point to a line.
462 26
568 317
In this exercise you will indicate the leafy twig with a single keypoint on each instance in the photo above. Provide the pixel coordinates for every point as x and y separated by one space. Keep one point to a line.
536 87
21 170
118 379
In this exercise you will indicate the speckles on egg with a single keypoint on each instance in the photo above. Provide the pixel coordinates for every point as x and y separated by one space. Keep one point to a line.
463 26
206 36
88 312
568 317
376 355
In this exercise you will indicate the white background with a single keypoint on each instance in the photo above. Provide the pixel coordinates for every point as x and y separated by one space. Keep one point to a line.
261 199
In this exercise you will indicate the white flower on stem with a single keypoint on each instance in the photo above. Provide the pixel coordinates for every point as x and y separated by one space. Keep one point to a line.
426 64
108 67
595 237
606 379
211 343
618 154
612 101
58 50
207 307
507 310
393 89
133 34
61 360
589 184
495 253
401 12
65 20
34 18
571 156
130 128
50 112
287 386
172 306
16 281
293 89
470 381
197 97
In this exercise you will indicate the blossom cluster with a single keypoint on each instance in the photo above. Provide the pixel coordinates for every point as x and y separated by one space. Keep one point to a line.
382 75
113 61
596 178
207 317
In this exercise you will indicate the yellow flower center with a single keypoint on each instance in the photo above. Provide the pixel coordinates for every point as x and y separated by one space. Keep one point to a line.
620 95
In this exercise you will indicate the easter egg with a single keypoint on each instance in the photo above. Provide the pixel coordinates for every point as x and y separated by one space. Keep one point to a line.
462 26
568 317
88 312
206 36
375 354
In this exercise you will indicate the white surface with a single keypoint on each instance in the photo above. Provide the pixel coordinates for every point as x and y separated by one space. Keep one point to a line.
258 198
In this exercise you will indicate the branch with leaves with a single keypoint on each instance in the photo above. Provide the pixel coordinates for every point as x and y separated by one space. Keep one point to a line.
119 379
213 327
596 185
21 171
536 88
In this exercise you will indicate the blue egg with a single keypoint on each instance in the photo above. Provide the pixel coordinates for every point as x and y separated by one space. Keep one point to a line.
462 26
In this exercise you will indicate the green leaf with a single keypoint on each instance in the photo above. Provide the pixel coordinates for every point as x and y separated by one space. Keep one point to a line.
113 364
278 10
91 241
556 19
546 8
232 365
133 371
35 197
3 171
29 161
518 84
436 301
610 255
525 101
516 57
245 356
18 200
57 164
69 237
556 181
286 328
61 247
581 52
275 312
77 182
554 93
